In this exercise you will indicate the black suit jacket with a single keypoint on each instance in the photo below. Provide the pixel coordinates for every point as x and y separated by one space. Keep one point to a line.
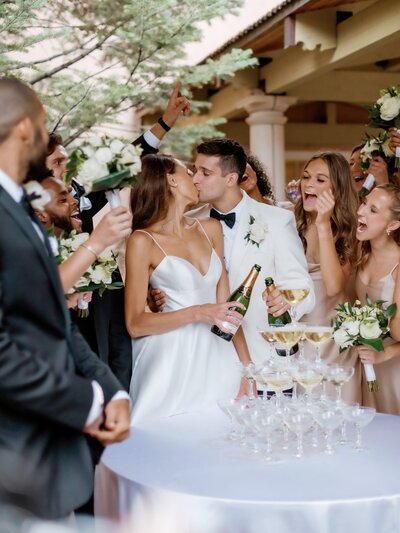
46 368
104 328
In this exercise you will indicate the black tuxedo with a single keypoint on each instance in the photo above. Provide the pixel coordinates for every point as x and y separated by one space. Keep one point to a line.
104 328
45 393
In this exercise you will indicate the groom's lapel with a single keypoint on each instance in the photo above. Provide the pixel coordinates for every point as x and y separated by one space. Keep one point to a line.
241 247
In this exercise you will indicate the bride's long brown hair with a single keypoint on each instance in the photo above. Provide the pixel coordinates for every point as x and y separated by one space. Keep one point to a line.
150 197
344 217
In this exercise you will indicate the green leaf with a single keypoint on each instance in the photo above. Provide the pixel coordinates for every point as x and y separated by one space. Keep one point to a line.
390 311
375 344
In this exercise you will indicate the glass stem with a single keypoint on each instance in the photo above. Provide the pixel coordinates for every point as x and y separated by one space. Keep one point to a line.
343 433
269 447
318 358
250 395
323 389
299 451
329 447
338 394
359 437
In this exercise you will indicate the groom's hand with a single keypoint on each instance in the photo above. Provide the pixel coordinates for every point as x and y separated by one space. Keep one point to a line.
116 426
275 302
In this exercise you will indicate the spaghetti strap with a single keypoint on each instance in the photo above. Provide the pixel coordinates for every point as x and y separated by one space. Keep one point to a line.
393 269
204 231
151 236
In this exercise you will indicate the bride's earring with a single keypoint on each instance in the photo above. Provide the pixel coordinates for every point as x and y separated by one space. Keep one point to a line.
388 232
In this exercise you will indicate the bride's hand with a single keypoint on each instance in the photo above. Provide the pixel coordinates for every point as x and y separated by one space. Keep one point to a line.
219 313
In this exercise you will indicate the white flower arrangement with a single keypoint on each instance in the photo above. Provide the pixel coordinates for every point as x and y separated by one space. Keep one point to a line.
105 163
99 274
377 146
37 195
256 231
366 325
385 113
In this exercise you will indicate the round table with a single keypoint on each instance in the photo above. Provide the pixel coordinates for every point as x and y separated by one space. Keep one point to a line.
187 456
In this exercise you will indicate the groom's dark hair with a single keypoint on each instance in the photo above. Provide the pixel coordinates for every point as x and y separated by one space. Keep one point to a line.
231 153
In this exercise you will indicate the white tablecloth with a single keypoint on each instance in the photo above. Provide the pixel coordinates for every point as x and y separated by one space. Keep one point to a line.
187 455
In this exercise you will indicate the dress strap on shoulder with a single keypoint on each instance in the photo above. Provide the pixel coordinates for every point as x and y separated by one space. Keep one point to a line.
151 236
204 231
393 269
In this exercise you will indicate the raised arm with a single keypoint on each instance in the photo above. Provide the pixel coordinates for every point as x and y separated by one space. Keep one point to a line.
334 274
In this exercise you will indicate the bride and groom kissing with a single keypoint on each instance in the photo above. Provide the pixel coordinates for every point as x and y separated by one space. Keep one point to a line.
194 257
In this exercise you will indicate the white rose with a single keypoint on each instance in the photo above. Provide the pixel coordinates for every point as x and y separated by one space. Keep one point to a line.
83 282
116 146
88 150
135 168
41 196
369 329
390 108
351 326
78 240
257 231
90 171
95 141
341 338
99 274
129 155
383 98
106 255
104 155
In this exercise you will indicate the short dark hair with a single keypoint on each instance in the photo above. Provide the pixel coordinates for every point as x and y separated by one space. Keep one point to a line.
231 153
54 140
17 102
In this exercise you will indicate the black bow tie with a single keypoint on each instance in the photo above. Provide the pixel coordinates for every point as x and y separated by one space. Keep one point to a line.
229 219
25 203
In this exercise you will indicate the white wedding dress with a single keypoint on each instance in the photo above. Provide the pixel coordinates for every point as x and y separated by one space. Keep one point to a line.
190 367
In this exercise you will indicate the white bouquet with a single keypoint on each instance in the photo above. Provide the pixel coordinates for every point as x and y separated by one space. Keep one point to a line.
105 164
385 113
366 325
99 274
376 146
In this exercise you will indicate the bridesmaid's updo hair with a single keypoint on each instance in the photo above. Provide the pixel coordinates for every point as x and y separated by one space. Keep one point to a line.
150 197
344 217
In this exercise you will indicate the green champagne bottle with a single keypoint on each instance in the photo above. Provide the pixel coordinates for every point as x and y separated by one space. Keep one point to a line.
241 294
279 320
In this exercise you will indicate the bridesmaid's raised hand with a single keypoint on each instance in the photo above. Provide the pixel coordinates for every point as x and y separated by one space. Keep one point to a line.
324 207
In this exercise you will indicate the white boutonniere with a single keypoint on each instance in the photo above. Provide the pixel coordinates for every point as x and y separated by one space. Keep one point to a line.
38 196
256 232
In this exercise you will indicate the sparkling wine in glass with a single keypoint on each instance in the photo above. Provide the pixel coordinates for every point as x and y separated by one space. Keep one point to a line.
338 376
293 297
317 336
288 335
308 377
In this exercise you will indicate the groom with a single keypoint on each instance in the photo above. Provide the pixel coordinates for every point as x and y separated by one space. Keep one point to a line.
254 233
53 389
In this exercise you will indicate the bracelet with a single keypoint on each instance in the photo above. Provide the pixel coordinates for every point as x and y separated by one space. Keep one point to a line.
163 124
90 248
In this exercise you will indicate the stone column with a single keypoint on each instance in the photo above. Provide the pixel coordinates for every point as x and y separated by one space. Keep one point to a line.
267 135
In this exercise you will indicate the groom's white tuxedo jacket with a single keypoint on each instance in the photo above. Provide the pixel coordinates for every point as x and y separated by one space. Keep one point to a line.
280 255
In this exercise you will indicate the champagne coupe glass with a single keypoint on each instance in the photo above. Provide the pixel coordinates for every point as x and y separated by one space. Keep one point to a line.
279 380
299 421
346 410
269 422
329 417
338 376
361 416
288 336
308 377
317 336
226 407
293 296
248 371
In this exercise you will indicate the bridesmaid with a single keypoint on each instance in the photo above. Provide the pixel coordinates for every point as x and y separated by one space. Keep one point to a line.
378 230
326 221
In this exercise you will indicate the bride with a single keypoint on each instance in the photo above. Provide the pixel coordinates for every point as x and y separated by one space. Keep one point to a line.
178 364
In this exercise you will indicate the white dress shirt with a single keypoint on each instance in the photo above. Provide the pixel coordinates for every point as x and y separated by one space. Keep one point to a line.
230 233
16 192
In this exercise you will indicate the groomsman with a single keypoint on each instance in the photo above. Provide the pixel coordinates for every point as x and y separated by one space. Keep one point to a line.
53 388
254 233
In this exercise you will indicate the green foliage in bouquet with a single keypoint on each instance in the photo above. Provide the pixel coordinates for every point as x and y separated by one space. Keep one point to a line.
385 113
